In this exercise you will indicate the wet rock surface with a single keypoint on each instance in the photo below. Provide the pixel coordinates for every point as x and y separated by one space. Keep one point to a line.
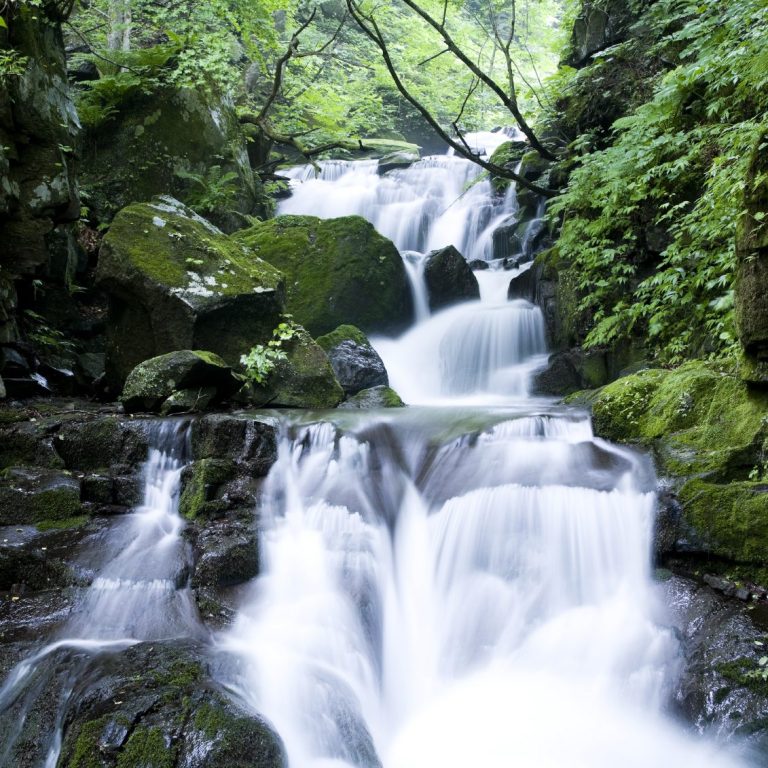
355 362
449 278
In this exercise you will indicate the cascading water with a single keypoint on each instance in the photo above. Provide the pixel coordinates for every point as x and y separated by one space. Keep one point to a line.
138 593
457 587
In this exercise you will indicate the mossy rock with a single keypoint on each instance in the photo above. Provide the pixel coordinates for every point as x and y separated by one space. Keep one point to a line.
732 518
305 379
155 706
200 481
155 383
33 495
699 418
343 333
337 271
96 443
375 397
355 362
176 282
507 155
137 151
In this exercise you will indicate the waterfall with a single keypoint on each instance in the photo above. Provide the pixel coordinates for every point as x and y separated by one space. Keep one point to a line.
138 593
466 584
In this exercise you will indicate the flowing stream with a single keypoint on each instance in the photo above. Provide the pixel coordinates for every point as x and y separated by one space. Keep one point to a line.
466 583
137 593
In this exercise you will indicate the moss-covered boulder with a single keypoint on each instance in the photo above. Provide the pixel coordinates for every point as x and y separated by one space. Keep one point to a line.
355 362
337 271
176 282
375 397
304 379
138 146
32 495
158 382
449 279
709 435
155 705
507 155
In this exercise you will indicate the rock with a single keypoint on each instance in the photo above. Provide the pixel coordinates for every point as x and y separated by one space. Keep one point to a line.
228 554
39 129
721 646
91 365
399 159
155 704
238 437
200 484
507 155
355 362
176 282
13 364
376 397
752 270
152 384
155 133
101 442
523 286
2 389
560 377
31 495
707 431
305 379
477 265
23 389
337 271
189 400
448 278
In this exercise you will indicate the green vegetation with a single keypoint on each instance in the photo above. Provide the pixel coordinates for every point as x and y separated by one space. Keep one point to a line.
262 359
651 210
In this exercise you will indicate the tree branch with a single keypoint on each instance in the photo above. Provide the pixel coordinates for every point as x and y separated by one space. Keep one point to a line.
370 28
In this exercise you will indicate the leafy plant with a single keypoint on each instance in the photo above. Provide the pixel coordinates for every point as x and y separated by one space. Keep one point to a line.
262 359
215 191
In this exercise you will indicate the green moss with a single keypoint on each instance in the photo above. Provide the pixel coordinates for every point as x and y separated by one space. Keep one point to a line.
375 397
741 672
85 753
146 748
337 271
699 418
200 483
342 333
732 517
60 525
181 252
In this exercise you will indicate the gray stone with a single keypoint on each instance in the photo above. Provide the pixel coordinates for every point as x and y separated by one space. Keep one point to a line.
448 278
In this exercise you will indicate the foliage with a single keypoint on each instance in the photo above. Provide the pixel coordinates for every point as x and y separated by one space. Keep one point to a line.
214 191
675 171
262 359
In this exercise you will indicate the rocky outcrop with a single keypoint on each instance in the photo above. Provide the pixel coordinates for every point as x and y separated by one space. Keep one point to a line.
176 382
355 362
337 271
176 282
38 136
448 278
155 704
752 270
157 142
709 434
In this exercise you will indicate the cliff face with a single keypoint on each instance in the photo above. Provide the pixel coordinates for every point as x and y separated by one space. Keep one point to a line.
38 132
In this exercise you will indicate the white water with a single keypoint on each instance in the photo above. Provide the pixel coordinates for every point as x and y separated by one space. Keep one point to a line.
137 593
451 587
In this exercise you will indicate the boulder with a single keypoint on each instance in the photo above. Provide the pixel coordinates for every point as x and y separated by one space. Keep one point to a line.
337 271
176 379
156 704
523 286
449 279
375 397
400 159
228 554
355 362
33 495
237 437
151 138
176 282
305 379
2 389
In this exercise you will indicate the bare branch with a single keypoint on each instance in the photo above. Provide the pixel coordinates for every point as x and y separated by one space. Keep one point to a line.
431 58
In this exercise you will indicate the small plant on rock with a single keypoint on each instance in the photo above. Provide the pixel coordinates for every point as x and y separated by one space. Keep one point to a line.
262 359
